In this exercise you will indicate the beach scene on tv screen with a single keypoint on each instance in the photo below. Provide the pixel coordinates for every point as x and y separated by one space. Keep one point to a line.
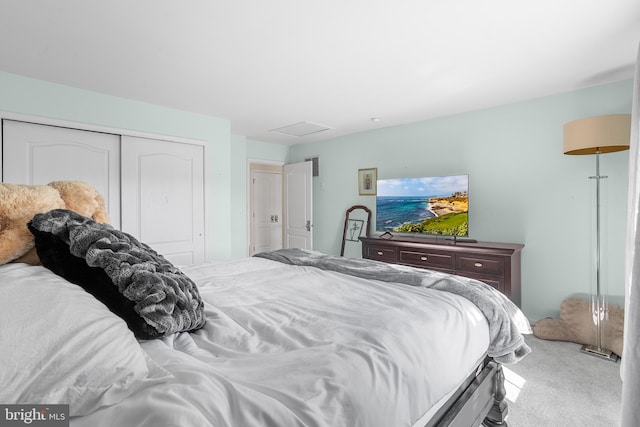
429 205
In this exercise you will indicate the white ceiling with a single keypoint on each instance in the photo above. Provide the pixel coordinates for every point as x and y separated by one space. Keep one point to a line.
265 64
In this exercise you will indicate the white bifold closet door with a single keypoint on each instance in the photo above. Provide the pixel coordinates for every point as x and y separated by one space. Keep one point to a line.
153 188
36 154
163 196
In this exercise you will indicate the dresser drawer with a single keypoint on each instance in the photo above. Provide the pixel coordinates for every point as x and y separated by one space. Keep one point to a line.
428 259
479 265
497 264
381 253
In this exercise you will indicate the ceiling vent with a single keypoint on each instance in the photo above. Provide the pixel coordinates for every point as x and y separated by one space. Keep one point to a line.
301 129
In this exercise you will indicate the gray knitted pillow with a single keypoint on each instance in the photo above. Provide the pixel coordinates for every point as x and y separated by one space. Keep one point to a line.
153 296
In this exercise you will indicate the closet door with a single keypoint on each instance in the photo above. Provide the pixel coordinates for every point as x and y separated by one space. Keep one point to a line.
266 209
163 197
39 154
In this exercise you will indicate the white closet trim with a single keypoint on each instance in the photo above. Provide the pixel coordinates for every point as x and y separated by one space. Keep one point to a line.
95 128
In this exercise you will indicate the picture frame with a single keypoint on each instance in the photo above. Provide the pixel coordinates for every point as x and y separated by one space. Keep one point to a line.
367 184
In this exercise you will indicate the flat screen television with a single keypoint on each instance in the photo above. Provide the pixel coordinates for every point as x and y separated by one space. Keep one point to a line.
434 205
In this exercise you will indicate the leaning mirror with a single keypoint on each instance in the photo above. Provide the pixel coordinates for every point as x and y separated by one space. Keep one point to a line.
356 225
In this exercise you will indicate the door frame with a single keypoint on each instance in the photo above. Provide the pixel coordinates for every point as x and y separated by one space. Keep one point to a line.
252 165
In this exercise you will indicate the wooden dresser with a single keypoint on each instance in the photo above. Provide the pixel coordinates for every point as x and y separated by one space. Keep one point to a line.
497 264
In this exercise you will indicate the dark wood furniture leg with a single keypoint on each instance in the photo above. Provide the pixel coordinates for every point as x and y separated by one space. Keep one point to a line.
497 415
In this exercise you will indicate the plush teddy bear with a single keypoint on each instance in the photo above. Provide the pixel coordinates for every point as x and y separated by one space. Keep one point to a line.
575 324
19 203
82 198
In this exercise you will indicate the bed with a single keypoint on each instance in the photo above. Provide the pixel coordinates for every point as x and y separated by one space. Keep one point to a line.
286 338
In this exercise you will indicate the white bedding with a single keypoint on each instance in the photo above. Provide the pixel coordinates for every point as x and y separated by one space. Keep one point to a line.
297 346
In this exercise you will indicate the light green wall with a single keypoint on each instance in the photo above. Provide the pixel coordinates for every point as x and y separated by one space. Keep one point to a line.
238 196
523 189
43 99
257 150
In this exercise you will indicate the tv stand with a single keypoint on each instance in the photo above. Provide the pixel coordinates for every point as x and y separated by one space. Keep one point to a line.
497 264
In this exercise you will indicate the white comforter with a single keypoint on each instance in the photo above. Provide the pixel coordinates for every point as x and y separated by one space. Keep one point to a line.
297 346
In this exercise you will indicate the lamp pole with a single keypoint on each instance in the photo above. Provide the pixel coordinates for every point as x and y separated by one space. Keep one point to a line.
599 312
599 306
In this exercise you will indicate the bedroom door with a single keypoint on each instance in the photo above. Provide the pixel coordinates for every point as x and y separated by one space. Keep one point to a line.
298 205
163 196
39 154
266 208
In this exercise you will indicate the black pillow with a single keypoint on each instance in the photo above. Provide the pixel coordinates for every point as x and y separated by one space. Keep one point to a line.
136 283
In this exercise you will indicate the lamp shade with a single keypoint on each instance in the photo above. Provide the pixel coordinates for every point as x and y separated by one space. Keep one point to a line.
605 134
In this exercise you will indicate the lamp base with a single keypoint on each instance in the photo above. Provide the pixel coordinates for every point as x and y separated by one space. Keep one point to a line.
600 352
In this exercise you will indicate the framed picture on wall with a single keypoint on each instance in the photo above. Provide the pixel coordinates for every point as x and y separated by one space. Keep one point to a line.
367 181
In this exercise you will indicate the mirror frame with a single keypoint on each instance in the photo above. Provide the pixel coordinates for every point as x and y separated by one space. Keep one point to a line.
346 222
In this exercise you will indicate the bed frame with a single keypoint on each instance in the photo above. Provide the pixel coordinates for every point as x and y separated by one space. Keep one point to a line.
481 399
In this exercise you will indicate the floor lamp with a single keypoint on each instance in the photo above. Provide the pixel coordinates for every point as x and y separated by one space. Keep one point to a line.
598 135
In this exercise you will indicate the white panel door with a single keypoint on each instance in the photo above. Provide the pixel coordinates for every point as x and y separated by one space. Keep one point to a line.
163 197
266 205
298 218
39 154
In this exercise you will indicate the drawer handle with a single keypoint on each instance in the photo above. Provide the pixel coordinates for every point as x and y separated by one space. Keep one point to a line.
478 264
423 258
380 253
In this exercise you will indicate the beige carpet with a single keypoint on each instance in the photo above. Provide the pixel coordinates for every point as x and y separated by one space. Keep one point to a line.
557 385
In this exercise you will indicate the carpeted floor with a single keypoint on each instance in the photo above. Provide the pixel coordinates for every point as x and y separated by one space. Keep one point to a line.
557 385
